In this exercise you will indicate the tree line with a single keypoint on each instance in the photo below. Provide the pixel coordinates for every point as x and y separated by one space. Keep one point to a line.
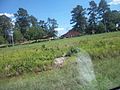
95 19
92 20
26 27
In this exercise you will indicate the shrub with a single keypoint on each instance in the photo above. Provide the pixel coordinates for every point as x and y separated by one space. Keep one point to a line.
2 40
18 36
111 27
72 51
100 28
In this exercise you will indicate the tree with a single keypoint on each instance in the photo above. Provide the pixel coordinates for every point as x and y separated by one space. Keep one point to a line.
100 28
1 32
103 8
115 17
33 21
18 37
22 20
78 19
5 25
112 19
111 27
51 25
92 16
2 40
34 33
43 24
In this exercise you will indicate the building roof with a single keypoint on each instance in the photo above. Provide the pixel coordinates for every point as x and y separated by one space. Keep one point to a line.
71 33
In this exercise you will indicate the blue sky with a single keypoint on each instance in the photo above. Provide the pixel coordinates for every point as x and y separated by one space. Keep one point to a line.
42 9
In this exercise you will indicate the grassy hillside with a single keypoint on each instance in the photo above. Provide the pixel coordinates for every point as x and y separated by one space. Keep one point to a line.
39 56
104 50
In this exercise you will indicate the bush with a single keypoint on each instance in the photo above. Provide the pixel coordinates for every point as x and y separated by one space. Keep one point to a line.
34 33
72 51
18 36
2 40
100 28
111 27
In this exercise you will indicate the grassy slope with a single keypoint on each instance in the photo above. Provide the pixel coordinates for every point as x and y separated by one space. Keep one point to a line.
39 57
104 50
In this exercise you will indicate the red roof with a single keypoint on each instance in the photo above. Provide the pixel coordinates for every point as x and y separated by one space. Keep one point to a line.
71 33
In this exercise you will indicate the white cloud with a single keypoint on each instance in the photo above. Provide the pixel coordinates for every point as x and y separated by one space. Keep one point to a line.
59 29
7 14
62 31
114 2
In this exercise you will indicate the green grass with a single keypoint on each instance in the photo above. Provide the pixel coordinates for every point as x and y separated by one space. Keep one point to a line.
39 56
106 70
104 50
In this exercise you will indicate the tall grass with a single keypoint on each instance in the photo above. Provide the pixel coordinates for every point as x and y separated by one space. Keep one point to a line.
106 70
39 56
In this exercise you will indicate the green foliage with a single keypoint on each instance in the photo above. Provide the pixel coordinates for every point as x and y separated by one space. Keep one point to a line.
33 20
35 33
28 25
103 7
100 28
111 27
2 40
31 29
51 25
22 20
72 51
18 37
115 17
78 18
97 14
92 16
5 23
43 46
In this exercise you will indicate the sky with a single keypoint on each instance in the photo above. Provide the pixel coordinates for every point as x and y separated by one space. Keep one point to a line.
42 9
